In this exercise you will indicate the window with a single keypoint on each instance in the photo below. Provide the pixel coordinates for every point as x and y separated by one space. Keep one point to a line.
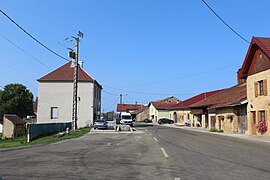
260 88
54 112
262 116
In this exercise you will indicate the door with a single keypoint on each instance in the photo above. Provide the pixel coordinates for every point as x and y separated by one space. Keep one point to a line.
213 121
175 117
253 122
242 124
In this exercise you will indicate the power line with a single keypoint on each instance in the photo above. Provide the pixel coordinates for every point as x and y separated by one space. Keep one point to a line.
184 76
147 93
33 36
226 23
110 93
113 104
25 52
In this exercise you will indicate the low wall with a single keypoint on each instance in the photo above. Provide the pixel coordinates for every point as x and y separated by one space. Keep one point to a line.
36 130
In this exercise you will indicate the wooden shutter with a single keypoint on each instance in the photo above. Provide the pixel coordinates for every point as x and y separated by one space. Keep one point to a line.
265 118
265 87
256 87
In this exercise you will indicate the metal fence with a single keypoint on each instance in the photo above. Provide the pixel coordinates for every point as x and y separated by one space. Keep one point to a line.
37 130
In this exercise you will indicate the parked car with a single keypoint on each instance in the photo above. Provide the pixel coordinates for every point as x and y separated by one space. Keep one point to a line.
165 121
101 124
147 120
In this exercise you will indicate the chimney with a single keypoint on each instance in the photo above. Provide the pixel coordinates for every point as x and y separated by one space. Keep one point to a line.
239 77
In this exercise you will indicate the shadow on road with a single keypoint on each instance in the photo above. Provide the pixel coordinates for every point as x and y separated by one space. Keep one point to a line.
136 125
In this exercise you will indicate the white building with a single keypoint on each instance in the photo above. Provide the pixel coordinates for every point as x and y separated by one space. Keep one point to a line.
1 127
159 109
55 97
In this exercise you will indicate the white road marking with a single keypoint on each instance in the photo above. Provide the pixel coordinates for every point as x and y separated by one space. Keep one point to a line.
150 134
146 130
164 152
155 139
177 178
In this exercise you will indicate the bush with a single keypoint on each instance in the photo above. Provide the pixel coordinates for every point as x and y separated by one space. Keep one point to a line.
216 130
213 130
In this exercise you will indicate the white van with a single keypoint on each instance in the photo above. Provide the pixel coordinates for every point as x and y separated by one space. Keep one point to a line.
125 118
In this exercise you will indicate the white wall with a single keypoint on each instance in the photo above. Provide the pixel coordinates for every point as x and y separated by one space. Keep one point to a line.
152 111
163 114
1 128
59 94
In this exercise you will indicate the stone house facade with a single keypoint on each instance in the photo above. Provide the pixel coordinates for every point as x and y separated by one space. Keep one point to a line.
225 110
141 114
255 71
181 112
13 126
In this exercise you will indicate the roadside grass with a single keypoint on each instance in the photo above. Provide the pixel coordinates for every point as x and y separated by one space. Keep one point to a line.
215 130
21 141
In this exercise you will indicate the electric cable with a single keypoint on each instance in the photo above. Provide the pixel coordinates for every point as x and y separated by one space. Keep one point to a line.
33 36
226 23
26 52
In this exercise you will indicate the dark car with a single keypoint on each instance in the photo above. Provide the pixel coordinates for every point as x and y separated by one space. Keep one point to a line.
147 120
165 121
101 124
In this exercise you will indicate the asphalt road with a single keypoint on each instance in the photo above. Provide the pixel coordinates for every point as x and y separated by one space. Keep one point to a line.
197 155
157 153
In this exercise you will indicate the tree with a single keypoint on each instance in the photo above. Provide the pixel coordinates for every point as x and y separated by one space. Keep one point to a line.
16 99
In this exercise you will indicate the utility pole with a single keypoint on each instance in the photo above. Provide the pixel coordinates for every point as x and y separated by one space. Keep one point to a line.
121 96
75 57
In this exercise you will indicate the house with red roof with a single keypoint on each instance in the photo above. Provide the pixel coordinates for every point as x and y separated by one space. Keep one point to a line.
55 97
141 114
159 109
255 71
128 107
225 110
181 112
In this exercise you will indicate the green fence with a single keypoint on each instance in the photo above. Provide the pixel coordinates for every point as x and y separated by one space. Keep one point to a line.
36 130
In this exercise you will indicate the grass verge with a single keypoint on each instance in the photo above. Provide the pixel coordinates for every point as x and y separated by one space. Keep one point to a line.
21 141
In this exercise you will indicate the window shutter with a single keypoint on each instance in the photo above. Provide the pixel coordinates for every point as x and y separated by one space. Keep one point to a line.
256 84
265 118
265 87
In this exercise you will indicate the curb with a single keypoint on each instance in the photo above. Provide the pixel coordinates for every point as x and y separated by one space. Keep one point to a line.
239 136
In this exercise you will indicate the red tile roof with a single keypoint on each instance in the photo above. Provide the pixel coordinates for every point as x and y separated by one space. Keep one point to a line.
170 99
140 110
256 42
128 107
228 97
161 105
66 73
194 99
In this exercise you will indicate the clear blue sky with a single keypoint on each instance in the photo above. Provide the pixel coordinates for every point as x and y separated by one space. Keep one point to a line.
145 49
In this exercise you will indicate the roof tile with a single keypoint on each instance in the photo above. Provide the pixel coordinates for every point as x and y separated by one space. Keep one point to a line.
194 99
66 73
227 97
